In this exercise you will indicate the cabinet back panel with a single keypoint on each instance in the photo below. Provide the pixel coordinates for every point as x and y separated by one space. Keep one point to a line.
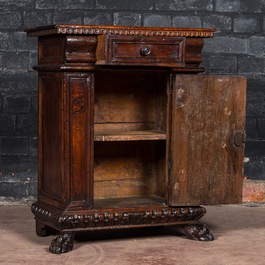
123 188
131 97
122 127
125 169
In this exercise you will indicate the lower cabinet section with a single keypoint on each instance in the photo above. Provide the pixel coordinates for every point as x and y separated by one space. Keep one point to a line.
117 154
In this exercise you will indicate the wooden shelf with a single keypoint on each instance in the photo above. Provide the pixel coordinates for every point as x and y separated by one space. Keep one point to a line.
126 202
129 136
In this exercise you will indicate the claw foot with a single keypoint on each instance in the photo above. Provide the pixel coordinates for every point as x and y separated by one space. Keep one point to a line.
62 244
199 232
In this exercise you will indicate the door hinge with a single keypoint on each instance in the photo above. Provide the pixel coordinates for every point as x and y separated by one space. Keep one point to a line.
170 84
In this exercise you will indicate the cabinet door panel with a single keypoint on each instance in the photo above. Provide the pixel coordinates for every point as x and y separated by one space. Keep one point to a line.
206 139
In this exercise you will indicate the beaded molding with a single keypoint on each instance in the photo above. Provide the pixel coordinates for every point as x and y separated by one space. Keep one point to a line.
82 30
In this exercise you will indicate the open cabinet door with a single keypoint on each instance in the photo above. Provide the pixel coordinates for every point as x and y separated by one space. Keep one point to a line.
207 139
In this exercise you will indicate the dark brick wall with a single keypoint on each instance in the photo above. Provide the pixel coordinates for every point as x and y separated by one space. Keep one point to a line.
238 48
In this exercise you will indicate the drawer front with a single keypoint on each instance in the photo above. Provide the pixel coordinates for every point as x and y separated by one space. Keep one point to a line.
145 50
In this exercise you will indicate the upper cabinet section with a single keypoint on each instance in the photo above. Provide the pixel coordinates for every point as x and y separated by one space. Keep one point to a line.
83 46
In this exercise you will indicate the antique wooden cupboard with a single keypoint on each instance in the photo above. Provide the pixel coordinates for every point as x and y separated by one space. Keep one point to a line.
130 133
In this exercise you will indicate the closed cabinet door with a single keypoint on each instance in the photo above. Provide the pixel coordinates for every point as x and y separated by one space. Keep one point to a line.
206 139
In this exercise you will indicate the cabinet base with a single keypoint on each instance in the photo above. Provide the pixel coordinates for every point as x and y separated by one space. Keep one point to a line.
68 222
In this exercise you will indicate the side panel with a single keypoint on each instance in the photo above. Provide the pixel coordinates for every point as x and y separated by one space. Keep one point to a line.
50 138
206 140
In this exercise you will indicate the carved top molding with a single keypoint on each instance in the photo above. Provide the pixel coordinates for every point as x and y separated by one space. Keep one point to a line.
119 30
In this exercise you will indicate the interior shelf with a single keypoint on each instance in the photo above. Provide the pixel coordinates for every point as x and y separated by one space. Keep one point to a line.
129 135
125 202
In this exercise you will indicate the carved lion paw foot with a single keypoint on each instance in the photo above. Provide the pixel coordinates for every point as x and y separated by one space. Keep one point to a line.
199 232
62 244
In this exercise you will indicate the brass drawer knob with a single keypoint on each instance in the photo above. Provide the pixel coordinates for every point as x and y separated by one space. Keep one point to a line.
145 51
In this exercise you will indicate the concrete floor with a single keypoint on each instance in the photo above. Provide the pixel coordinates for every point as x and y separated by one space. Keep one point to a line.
239 239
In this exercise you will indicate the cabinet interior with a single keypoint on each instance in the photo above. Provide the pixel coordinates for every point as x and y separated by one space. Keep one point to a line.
130 116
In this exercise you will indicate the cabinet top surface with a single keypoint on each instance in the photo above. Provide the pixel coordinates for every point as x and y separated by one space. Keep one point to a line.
70 29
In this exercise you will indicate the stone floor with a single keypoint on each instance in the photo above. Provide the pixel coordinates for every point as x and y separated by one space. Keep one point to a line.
239 239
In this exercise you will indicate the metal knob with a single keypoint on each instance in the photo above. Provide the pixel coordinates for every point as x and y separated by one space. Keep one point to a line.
145 51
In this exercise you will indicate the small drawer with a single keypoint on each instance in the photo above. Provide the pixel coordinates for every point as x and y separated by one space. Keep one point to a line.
127 50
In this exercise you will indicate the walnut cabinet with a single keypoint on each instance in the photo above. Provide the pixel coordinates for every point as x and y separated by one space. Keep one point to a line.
131 133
